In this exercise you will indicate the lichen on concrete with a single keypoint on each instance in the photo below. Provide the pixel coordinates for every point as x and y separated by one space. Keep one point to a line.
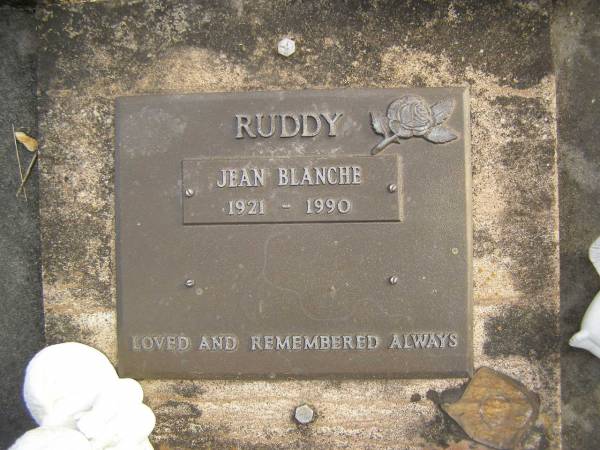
94 52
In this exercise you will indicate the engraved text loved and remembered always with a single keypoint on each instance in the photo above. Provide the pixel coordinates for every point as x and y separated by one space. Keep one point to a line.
296 342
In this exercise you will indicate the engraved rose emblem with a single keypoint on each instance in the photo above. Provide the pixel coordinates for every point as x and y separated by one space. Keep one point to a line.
410 116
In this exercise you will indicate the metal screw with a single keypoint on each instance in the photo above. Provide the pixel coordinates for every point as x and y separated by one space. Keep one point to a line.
392 188
190 283
189 192
393 279
304 414
455 251
286 47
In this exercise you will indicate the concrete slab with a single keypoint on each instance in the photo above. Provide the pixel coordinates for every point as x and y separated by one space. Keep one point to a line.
94 52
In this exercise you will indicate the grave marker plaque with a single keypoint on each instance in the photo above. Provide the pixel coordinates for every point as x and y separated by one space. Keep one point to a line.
304 234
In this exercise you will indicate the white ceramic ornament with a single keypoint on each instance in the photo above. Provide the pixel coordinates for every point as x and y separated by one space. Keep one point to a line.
74 394
52 438
588 337
63 380
118 418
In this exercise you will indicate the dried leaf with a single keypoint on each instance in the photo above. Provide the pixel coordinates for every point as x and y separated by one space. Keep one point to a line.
18 161
440 135
30 143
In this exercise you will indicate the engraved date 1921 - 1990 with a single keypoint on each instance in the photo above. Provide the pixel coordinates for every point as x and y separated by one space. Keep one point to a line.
254 207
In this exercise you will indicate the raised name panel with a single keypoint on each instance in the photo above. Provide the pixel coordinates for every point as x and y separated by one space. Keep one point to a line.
317 189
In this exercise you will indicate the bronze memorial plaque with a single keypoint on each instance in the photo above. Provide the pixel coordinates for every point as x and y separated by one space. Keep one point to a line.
294 234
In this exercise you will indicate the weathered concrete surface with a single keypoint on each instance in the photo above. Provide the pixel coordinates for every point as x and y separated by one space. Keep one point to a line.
576 38
93 52
21 330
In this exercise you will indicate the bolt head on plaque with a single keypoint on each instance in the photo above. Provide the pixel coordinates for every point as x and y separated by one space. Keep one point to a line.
304 414
286 47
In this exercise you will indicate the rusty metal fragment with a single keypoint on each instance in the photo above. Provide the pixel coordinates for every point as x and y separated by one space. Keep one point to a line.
495 409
